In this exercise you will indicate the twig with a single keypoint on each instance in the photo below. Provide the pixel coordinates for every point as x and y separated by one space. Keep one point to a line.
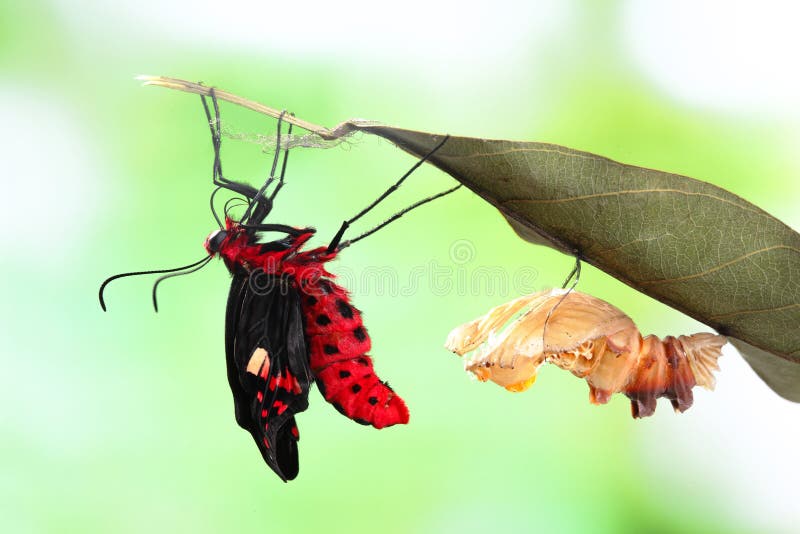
192 87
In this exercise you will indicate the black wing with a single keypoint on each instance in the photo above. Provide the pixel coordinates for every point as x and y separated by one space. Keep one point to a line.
268 367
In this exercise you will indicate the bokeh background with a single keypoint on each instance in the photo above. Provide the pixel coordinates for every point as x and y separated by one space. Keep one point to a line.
123 422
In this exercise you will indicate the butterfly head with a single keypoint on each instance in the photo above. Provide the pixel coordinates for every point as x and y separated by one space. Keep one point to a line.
215 241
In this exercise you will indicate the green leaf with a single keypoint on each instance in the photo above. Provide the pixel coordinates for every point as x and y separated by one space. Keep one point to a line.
687 243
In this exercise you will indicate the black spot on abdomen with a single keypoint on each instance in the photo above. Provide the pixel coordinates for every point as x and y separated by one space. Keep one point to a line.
345 310
360 333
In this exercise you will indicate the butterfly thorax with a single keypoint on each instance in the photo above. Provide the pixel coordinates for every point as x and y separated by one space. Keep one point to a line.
240 248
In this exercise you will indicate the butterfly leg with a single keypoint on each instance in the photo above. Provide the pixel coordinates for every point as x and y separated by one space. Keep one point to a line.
261 205
216 139
346 224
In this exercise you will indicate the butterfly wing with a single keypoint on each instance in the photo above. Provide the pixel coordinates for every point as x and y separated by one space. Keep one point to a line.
268 370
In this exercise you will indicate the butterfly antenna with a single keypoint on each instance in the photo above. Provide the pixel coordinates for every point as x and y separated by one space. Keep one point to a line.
138 273
338 237
199 266
229 205
213 209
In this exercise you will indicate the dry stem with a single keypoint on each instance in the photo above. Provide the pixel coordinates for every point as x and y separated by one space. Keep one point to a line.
192 87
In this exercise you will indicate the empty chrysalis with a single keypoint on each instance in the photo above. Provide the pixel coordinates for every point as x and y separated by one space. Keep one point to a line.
592 339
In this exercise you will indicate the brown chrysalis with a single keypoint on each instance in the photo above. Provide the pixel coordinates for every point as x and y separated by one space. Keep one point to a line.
592 339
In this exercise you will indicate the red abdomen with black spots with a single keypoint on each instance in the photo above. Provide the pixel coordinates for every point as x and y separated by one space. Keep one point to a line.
338 345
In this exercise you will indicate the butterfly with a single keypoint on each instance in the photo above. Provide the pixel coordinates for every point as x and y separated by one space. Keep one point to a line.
288 324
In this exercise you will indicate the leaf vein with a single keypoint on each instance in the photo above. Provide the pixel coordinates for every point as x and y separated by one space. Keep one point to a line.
542 150
628 192
749 312
718 267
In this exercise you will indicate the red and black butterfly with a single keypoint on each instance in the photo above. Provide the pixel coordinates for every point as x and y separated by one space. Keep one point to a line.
288 324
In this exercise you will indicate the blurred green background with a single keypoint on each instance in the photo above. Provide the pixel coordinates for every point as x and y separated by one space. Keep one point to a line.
123 422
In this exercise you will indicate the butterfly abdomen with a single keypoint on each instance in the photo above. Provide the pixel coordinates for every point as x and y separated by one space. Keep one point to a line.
338 346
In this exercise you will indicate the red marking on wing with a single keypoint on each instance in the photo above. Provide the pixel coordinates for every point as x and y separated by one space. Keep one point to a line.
292 385
274 382
280 406
286 381
264 371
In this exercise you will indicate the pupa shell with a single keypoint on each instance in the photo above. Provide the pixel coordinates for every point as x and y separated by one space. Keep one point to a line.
592 339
